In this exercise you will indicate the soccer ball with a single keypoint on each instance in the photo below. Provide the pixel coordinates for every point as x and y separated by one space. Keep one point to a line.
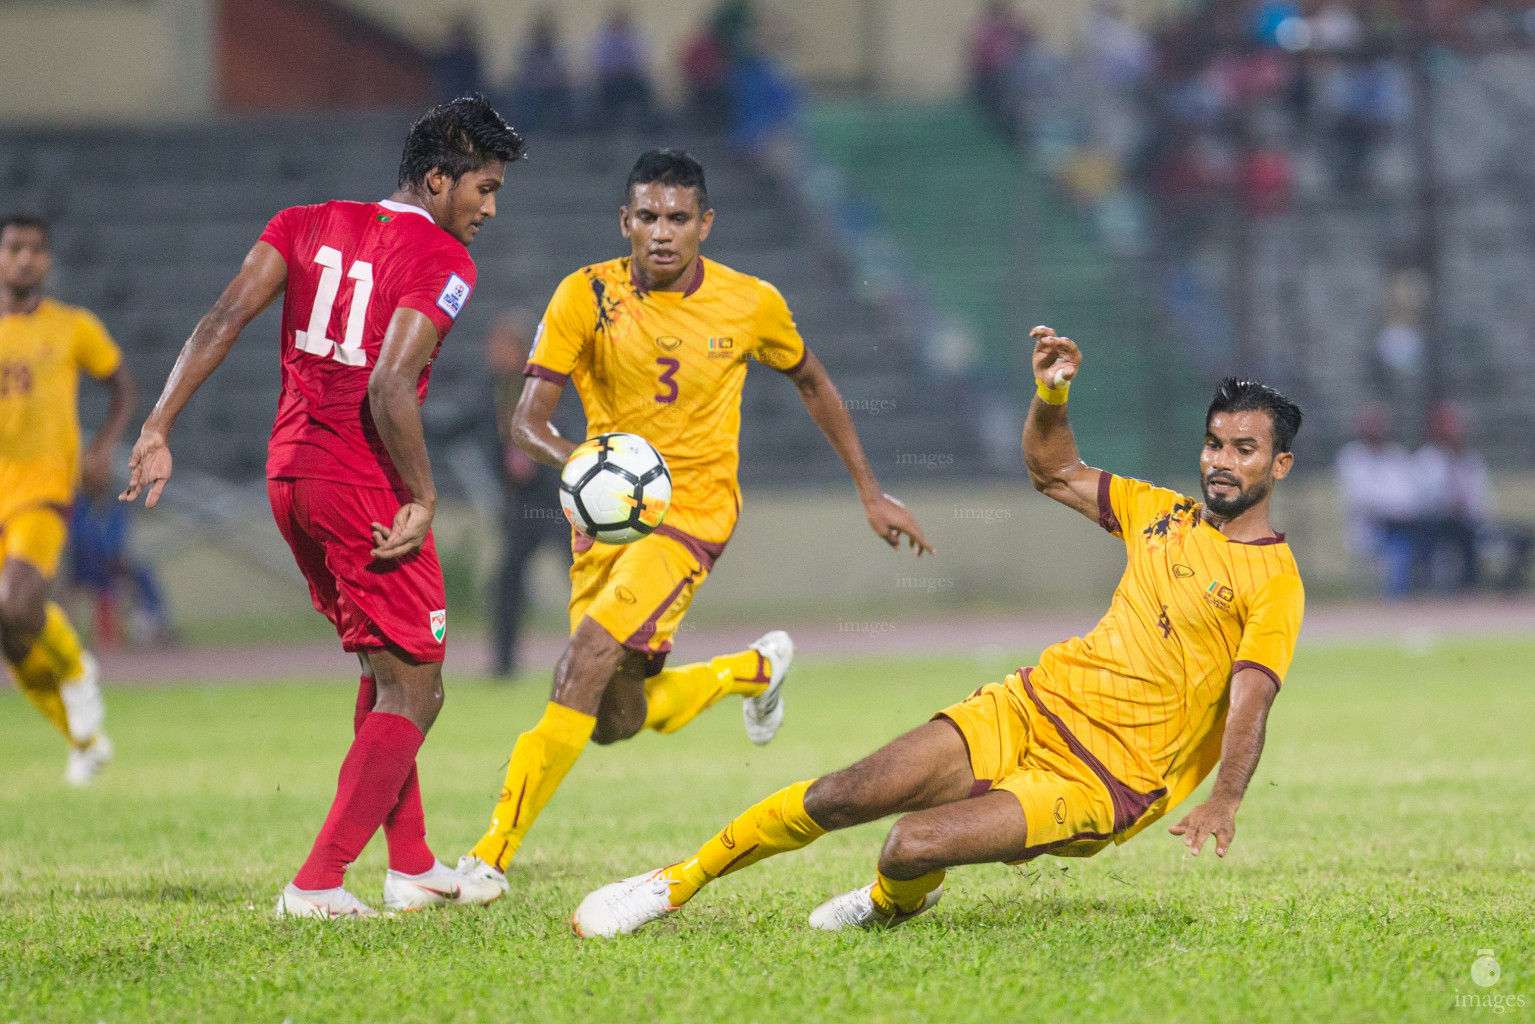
615 488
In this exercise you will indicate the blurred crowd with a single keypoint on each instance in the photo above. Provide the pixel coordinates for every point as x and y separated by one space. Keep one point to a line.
734 84
1423 521
1213 102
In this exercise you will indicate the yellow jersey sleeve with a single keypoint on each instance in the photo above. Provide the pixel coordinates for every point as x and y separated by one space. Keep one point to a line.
1126 505
1272 627
564 332
778 342
95 352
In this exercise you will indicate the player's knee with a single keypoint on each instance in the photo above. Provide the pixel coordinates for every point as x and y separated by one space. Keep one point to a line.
22 611
618 719
838 800
910 850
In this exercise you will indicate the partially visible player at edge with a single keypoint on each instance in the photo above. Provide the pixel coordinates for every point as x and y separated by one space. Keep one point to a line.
1108 732
657 344
44 345
372 289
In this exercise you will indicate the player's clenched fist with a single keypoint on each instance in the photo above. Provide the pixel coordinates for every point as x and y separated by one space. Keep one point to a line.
1056 359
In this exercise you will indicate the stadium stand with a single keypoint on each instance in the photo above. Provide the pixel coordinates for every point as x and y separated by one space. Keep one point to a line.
150 224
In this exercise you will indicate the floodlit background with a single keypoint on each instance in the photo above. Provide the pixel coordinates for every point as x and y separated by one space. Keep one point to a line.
1333 196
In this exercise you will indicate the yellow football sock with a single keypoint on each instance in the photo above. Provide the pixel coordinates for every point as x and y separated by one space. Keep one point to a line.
60 644
892 896
538 766
46 700
54 658
776 825
676 696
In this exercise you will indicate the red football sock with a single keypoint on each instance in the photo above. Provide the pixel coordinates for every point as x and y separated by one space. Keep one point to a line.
372 778
405 828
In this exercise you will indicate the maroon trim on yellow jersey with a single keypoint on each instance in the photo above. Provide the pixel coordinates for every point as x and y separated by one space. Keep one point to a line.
791 371
1128 804
1278 538
1106 517
544 373
1240 665
639 640
1030 852
706 552
697 282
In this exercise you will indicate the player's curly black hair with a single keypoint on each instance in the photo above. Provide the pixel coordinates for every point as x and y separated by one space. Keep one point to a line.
1235 394
668 167
457 137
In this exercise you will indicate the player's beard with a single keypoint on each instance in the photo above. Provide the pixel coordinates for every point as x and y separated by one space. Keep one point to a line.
1244 499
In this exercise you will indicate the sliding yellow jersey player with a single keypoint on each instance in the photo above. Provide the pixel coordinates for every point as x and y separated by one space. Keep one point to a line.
1108 732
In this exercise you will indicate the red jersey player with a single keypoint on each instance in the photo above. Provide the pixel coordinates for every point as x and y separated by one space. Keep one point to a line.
371 291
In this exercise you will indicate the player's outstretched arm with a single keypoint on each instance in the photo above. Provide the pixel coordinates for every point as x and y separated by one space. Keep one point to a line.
1049 447
532 430
887 516
409 341
260 280
1252 694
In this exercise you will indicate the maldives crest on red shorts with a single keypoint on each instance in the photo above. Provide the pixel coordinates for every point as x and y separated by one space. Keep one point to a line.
439 623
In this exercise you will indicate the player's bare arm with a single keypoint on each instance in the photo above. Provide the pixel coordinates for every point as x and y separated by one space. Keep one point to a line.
888 517
408 344
260 280
1252 694
122 400
531 428
1049 447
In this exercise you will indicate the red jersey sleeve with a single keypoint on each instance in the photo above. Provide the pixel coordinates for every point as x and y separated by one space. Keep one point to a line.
440 288
279 232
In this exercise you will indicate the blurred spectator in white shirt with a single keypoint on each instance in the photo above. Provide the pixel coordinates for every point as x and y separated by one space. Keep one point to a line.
1456 497
1377 484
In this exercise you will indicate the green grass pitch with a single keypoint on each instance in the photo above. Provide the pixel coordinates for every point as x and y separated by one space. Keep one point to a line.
1387 838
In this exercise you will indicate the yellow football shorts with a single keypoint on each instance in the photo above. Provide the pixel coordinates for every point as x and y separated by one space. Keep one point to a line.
638 592
36 535
1015 747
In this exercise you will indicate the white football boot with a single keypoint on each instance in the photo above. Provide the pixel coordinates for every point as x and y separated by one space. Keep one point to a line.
85 762
856 909
324 903
764 712
473 867
624 907
81 697
439 887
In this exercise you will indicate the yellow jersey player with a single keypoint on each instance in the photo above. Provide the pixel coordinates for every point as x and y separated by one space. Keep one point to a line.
1108 732
657 344
44 345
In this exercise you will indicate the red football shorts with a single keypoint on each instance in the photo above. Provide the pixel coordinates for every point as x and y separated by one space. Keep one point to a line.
373 604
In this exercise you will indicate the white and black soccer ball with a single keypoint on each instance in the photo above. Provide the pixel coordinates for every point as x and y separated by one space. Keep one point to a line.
615 488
